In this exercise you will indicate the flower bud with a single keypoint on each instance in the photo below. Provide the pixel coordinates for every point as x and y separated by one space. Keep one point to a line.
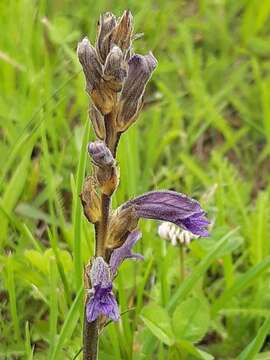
122 33
107 23
91 67
140 69
106 171
100 154
115 69
90 201
103 97
97 120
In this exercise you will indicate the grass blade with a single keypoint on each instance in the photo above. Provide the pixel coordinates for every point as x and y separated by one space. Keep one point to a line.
256 344
78 210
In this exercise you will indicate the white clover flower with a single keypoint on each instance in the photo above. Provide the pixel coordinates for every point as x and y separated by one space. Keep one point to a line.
175 234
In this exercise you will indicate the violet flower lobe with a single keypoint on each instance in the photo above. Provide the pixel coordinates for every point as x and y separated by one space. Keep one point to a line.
171 206
124 251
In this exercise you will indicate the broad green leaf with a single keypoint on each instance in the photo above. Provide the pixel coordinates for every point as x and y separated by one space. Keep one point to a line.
191 319
37 260
158 321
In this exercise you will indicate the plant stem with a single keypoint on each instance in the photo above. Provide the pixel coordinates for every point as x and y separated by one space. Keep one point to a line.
91 329
103 225
112 137
90 338
182 262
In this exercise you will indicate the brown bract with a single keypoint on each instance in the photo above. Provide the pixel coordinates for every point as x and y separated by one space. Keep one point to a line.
90 201
122 222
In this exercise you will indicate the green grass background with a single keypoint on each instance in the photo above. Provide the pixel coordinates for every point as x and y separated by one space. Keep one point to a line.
204 131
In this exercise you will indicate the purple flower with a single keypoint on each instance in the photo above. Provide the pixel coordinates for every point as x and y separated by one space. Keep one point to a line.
124 251
102 300
171 206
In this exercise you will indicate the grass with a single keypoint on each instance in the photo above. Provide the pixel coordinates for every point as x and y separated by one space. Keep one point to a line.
205 131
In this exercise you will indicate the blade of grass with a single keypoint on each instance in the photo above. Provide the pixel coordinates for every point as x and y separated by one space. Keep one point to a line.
241 283
53 303
199 270
29 351
78 210
256 344
68 326
10 285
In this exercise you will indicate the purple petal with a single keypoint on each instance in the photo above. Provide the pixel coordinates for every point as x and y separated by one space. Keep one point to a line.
124 251
173 207
102 302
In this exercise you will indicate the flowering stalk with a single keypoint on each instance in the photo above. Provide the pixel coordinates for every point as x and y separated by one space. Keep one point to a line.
115 81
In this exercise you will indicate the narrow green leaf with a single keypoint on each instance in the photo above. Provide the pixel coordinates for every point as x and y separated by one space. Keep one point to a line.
68 326
241 283
29 351
78 210
10 284
13 192
199 270
256 344
53 302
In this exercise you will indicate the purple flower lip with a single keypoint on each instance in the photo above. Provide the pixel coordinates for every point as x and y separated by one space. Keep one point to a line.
101 298
102 302
171 206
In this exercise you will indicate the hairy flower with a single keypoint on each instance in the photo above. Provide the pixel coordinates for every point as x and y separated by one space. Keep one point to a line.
101 298
124 251
171 206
